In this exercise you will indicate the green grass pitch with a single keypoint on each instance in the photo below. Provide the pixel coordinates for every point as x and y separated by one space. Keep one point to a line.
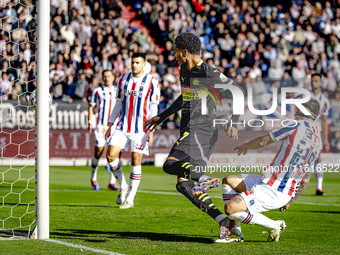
164 222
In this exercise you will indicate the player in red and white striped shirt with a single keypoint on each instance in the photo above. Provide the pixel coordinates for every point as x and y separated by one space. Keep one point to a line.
281 183
104 97
137 101
321 124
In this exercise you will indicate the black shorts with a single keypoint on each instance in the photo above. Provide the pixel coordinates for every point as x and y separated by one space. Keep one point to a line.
197 144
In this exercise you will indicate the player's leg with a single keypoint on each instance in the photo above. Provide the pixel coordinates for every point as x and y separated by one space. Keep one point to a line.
113 160
204 203
139 147
180 161
247 208
99 143
94 166
202 146
237 210
135 177
117 142
232 185
112 184
319 178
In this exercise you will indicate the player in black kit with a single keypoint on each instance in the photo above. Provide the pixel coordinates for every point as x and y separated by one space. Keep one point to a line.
198 136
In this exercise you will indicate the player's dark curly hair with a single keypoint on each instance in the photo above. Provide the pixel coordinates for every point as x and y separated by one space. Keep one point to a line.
190 42
138 55
316 74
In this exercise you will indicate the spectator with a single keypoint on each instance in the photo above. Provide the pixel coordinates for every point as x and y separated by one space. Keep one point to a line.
299 74
82 87
259 88
335 142
275 72
17 92
104 63
5 86
58 71
69 88
118 64
161 66
68 34
56 87
154 73
329 84
286 82
169 75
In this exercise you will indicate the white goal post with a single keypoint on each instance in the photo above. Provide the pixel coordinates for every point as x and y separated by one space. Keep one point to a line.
42 120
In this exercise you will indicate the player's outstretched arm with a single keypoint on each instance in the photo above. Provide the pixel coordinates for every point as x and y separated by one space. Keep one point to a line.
302 187
153 122
254 144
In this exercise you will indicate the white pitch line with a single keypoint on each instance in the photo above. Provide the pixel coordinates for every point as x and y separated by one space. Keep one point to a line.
178 194
82 247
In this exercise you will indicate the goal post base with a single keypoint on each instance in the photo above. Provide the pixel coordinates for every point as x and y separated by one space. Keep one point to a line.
34 233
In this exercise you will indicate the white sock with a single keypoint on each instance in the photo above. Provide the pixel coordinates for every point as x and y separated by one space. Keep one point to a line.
94 168
112 178
136 173
117 171
228 193
319 180
257 218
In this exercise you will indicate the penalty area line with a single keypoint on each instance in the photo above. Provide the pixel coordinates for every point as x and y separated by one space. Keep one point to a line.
82 247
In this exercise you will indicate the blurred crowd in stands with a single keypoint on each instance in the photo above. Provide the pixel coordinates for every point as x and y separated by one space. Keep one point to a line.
258 44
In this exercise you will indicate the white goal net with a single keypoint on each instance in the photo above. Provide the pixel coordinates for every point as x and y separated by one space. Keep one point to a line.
17 145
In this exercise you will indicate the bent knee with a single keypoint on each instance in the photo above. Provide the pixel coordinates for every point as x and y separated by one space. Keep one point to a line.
231 207
110 158
228 208
168 165
230 179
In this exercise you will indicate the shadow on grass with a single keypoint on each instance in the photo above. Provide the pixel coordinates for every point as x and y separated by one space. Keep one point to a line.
332 212
78 233
313 195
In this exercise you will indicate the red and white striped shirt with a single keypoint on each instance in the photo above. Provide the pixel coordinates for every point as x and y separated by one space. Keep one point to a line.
136 95
105 99
300 147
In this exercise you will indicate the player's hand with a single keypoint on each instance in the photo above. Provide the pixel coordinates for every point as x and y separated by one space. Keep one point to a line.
285 207
327 145
231 131
90 127
149 138
242 149
150 124
106 132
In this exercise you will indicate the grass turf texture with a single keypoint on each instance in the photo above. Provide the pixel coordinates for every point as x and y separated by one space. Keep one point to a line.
169 223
